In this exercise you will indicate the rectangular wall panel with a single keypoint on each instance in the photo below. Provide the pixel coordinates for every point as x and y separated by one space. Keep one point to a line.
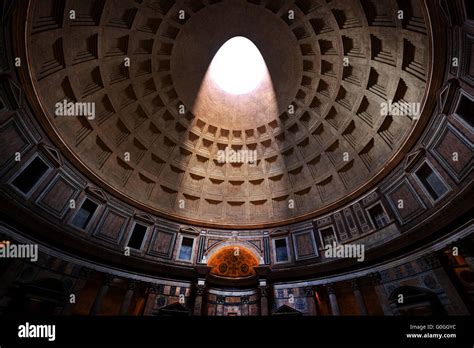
13 139
404 194
55 199
111 226
453 151
162 243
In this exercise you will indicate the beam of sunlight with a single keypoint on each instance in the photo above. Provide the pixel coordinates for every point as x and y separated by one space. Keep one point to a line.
237 90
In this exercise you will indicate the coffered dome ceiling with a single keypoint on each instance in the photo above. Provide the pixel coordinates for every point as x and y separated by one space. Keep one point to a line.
317 128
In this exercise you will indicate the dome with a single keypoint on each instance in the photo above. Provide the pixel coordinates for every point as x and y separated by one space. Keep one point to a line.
312 136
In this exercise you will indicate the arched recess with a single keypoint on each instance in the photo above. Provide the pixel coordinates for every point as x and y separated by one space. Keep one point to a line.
233 260
219 245
413 300
40 297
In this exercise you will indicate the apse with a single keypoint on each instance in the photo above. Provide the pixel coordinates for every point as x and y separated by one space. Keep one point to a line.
233 261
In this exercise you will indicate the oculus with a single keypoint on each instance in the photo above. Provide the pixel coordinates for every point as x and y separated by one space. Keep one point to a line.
238 67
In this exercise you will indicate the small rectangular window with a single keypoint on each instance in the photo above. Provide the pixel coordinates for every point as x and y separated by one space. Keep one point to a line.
281 250
465 109
328 237
431 182
85 213
138 235
378 216
30 175
186 250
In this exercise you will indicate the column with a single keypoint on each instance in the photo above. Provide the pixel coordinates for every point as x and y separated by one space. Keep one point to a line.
309 293
128 297
152 292
220 309
244 302
263 297
359 298
381 295
101 294
198 300
333 299
84 275
202 271
455 304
